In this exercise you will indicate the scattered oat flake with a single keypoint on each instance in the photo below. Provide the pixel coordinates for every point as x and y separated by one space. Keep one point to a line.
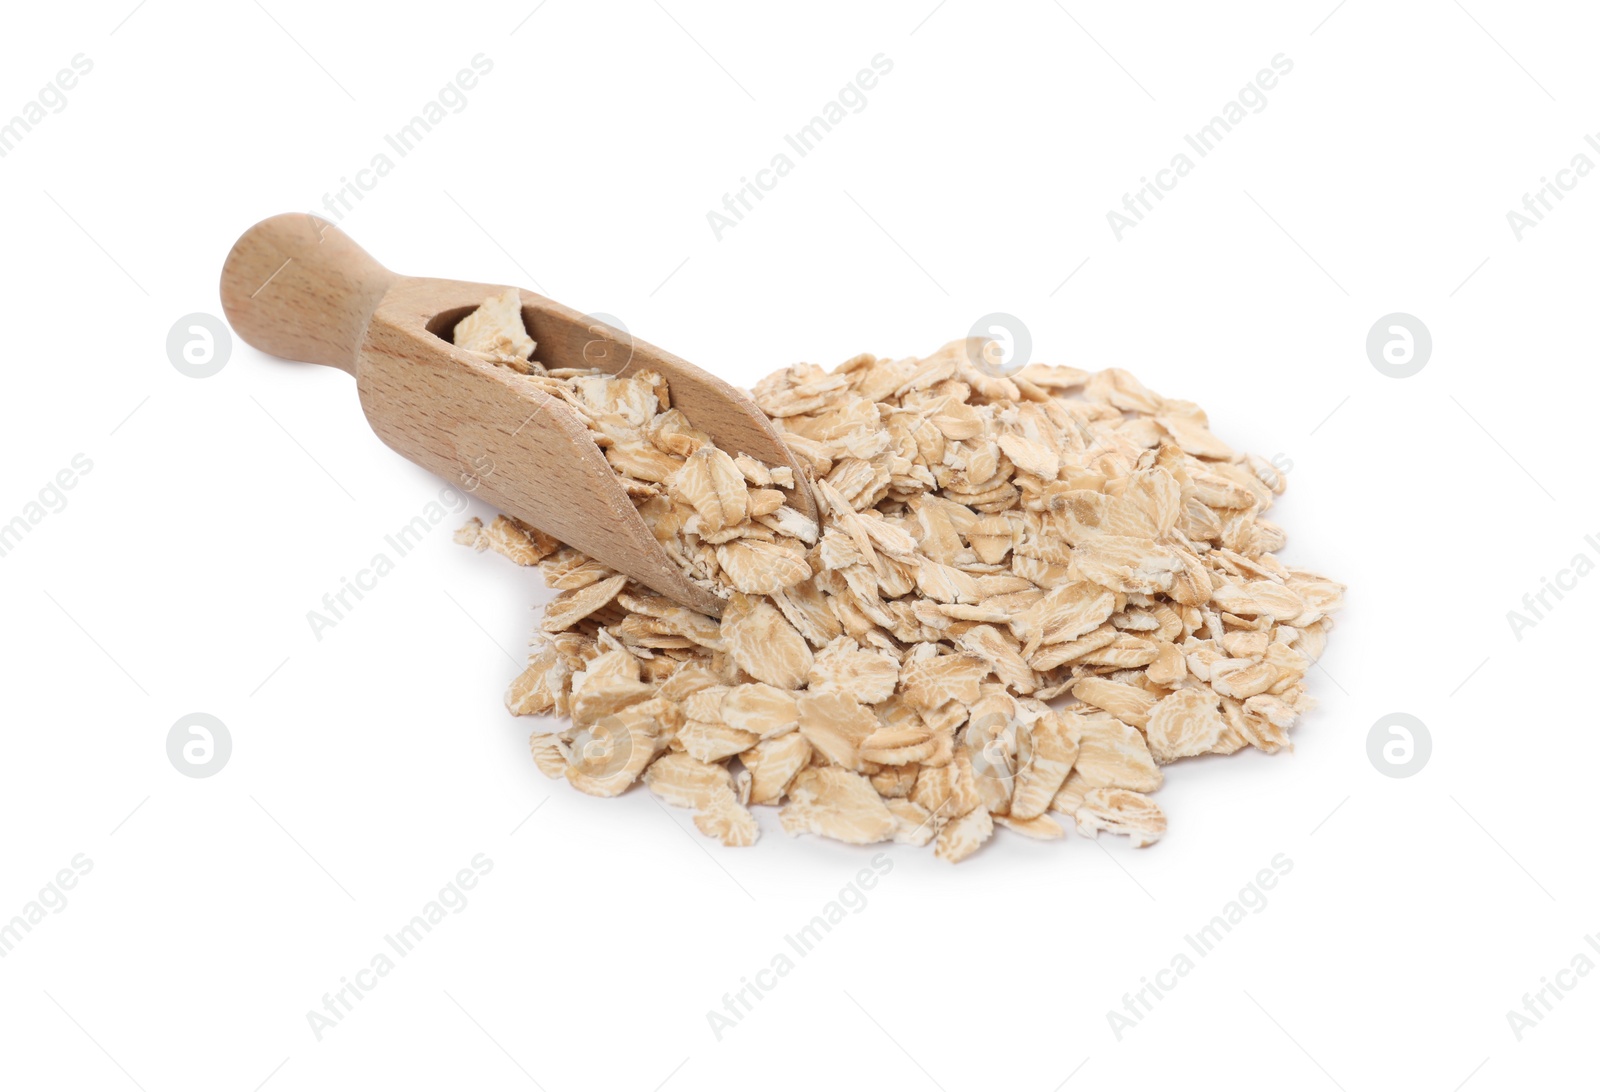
572 607
764 644
837 804
961 838
1184 723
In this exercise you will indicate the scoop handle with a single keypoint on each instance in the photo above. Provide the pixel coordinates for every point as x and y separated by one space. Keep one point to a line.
297 287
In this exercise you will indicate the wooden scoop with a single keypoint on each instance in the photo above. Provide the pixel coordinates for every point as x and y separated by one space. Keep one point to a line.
296 286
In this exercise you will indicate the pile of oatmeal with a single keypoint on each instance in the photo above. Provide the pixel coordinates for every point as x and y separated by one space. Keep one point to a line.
1026 596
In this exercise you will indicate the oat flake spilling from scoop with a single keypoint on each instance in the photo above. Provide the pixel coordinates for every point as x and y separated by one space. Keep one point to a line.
1026 596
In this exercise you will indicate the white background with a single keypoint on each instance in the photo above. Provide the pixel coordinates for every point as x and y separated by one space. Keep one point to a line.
369 766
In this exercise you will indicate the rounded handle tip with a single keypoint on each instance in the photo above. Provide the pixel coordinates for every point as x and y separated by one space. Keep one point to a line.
297 287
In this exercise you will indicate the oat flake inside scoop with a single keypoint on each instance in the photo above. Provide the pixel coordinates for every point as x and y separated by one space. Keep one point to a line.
1024 597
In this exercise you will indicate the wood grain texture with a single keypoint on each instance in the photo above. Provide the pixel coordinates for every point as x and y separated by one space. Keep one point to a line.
296 286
